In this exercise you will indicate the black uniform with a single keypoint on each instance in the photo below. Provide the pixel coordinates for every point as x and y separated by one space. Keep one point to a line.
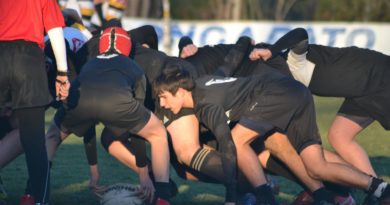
360 75
110 89
28 86
260 103
209 59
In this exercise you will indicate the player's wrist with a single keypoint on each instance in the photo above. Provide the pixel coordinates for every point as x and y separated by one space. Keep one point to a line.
62 79
62 73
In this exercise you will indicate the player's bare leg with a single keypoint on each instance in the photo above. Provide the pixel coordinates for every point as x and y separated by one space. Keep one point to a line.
184 133
10 147
342 136
155 133
279 146
249 163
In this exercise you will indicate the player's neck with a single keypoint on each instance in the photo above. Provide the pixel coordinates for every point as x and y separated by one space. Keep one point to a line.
188 100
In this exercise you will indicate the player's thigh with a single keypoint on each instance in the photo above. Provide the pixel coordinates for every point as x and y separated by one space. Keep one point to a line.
184 134
153 128
243 135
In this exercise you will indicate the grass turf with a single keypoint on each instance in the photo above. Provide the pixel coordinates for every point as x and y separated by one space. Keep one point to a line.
70 173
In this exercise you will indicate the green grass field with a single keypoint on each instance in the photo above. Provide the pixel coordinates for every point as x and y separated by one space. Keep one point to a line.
70 173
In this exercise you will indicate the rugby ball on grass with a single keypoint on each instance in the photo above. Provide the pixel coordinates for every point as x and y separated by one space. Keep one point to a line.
121 194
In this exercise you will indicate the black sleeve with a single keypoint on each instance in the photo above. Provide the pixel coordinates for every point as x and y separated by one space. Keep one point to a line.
140 89
234 57
137 145
138 148
291 40
90 146
214 118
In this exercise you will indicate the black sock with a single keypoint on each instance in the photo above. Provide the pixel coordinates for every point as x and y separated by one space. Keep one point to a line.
264 195
29 190
377 187
208 162
162 190
32 137
323 195
243 185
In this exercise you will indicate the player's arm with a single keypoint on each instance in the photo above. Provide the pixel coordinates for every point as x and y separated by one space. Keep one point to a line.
91 154
296 40
235 56
138 148
214 117
138 145
140 88
53 22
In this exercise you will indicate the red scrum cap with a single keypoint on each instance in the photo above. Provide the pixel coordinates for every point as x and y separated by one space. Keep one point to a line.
115 40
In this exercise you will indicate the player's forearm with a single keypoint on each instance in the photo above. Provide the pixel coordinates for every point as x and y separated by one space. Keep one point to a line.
57 41
289 40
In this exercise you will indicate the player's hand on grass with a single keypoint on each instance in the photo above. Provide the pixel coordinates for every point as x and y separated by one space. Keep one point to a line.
260 53
94 186
98 190
146 185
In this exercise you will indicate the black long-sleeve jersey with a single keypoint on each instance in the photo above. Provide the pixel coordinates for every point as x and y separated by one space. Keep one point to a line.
149 60
218 100
209 59
115 72
339 72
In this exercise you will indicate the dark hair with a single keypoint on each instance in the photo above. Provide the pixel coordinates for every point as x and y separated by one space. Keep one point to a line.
112 23
173 77
145 34
184 41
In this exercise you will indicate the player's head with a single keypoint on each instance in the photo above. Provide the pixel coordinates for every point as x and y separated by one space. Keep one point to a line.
145 35
173 76
173 85
115 40
112 23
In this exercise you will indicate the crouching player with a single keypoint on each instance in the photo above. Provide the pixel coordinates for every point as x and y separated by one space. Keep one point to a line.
110 89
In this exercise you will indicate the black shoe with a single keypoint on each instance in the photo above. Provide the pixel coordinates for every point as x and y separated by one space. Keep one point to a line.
323 202
172 185
370 200
173 188
385 198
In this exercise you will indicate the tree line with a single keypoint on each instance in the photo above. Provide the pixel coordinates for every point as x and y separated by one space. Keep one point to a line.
276 10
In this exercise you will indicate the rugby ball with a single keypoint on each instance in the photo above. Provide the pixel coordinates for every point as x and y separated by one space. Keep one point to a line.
121 194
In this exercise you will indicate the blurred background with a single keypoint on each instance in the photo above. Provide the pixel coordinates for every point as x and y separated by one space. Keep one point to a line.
363 23
275 10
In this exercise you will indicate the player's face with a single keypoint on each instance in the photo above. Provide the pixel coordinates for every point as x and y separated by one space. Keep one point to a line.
171 102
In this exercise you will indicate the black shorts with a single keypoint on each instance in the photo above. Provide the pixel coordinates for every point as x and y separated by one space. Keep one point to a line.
375 106
349 109
115 108
23 79
287 106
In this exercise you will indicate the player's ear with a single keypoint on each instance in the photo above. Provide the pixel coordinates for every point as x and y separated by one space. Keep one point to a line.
180 92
